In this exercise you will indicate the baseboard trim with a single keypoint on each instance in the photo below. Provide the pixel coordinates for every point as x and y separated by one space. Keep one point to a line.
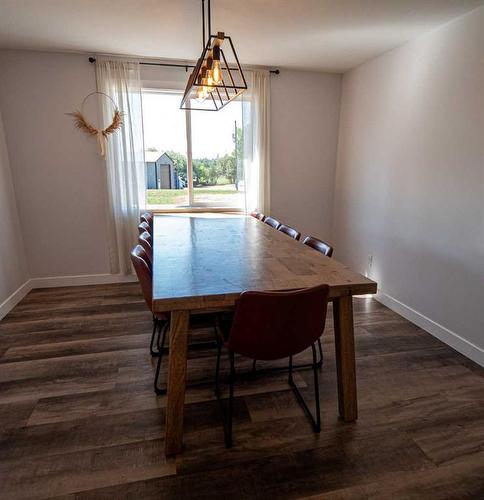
80 280
10 302
452 339
57 281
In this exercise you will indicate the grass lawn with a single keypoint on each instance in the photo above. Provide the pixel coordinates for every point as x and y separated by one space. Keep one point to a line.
225 193
167 196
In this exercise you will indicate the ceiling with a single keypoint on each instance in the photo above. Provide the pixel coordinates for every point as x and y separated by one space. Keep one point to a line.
329 35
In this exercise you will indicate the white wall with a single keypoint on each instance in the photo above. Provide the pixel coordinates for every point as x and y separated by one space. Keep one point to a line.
59 177
304 134
410 178
13 264
57 173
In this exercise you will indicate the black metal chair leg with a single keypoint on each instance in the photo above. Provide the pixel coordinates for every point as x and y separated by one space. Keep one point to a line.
316 422
320 347
155 328
163 329
317 427
160 390
158 326
319 363
162 325
302 366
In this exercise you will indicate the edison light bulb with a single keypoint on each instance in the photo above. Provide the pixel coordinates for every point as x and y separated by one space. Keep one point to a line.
216 72
210 81
205 88
202 91
200 94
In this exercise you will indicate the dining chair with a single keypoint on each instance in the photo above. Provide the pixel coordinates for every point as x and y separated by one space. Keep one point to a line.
145 241
327 250
318 245
290 231
161 321
270 326
144 226
258 215
270 221
148 218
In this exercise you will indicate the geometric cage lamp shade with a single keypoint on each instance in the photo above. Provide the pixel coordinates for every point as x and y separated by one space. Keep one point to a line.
214 82
217 77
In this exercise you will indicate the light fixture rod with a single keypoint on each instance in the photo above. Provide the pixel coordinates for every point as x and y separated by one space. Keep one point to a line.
209 19
203 23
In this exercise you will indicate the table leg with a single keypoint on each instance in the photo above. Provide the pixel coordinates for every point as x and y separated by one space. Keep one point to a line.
177 370
345 357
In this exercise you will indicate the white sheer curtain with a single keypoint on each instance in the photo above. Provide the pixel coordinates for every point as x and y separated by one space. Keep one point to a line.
256 123
125 167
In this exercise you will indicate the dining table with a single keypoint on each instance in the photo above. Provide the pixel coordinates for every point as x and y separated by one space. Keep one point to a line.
204 261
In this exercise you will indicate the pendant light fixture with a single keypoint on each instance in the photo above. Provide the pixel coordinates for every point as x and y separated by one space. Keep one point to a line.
217 77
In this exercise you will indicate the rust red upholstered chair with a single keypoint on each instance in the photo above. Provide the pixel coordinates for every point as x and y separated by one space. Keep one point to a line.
144 226
270 326
161 321
290 231
318 245
270 221
145 241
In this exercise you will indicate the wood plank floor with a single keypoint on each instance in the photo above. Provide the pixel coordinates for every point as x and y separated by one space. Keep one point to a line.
79 419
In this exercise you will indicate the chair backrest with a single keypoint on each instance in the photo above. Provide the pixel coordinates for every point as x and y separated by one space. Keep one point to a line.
146 242
147 217
290 231
258 215
143 271
144 226
272 222
275 325
318 245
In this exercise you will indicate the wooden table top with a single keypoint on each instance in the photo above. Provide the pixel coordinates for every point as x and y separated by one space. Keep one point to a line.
206 260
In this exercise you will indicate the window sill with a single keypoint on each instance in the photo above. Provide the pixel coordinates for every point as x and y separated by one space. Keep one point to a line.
170 210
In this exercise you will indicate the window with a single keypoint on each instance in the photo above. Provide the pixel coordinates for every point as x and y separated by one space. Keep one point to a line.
193 158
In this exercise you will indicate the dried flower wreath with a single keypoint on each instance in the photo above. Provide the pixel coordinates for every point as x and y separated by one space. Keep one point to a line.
102 134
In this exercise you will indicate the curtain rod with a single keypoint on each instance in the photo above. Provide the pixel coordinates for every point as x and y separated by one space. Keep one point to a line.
173 65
